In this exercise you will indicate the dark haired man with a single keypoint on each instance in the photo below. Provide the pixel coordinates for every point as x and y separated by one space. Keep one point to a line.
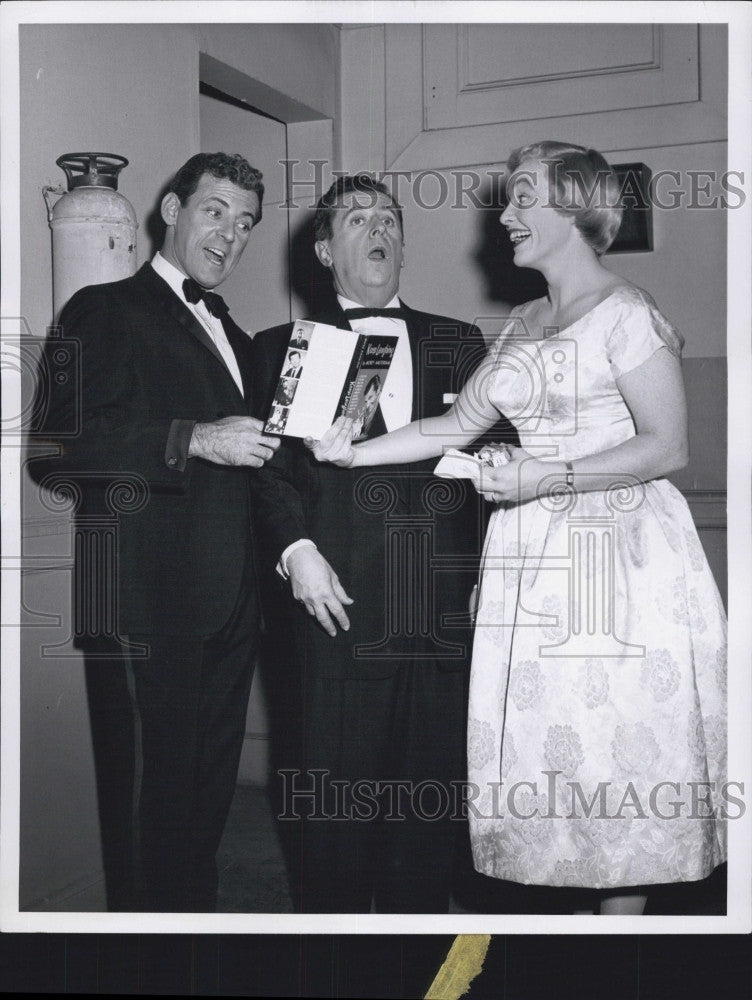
165 404
368 566
370 402
294 364
222 166
299 339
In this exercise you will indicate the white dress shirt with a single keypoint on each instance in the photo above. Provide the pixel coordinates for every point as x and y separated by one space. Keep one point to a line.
212 324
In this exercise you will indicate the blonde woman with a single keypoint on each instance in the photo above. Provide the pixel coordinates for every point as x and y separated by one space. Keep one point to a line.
596 729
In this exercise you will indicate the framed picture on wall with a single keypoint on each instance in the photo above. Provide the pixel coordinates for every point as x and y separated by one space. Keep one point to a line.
636 231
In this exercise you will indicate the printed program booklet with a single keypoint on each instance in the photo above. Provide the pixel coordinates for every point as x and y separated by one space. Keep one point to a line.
329 373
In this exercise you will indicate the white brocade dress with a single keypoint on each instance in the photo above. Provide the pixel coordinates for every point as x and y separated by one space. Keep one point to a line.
596 731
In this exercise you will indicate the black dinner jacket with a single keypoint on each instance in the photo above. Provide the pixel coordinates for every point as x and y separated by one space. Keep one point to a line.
367 521
184 543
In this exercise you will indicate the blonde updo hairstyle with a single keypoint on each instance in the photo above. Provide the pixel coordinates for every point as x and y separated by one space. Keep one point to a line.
582 184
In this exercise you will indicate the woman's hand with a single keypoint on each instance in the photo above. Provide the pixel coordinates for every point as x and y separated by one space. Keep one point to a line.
518 480
336 444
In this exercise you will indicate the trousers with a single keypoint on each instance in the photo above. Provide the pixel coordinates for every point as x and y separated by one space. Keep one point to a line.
168 721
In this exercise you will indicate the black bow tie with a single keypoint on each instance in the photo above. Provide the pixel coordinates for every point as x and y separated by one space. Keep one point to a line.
365 312
195 293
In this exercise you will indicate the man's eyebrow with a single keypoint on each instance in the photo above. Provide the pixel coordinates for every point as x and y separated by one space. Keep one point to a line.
226 204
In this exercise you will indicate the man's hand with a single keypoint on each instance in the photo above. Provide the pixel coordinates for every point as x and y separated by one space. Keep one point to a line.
317 586
232 441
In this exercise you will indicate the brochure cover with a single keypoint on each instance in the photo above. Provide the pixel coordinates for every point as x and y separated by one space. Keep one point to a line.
329 373
456 464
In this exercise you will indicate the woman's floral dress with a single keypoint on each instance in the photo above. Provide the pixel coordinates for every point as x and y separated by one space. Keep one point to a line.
596 737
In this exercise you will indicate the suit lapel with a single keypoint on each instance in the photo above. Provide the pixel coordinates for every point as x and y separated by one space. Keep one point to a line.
241 345
176 310
427 378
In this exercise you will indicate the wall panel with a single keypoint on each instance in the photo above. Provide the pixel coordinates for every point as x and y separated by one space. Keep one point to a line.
673 91
481 74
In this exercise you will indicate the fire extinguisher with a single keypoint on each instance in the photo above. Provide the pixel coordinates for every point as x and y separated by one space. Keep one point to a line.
93 226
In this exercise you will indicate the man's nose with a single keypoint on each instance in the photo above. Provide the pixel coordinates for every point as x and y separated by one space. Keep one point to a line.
378 226
227 230
506 214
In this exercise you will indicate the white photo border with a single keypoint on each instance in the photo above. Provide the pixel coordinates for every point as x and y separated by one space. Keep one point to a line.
739 268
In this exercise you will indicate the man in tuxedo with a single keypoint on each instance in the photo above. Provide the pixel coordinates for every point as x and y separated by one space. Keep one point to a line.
293 365
367 577
299 340
164 403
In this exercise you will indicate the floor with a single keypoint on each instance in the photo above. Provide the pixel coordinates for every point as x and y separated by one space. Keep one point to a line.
252 872
252 875
253 879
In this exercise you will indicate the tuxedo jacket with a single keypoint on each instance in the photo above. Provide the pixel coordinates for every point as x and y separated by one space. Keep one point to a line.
404 544
184 544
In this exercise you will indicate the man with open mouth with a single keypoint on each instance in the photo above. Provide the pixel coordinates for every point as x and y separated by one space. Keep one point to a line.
164 408
356 610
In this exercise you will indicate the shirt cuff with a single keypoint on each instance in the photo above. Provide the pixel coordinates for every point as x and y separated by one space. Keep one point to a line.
281 566
178 443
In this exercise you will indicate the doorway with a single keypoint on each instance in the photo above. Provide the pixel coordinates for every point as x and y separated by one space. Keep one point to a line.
258 292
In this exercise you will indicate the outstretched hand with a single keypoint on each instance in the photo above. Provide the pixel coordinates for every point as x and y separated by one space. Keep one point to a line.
336 444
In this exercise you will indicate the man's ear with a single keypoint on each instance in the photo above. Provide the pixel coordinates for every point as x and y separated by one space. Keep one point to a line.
169 208
323 252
